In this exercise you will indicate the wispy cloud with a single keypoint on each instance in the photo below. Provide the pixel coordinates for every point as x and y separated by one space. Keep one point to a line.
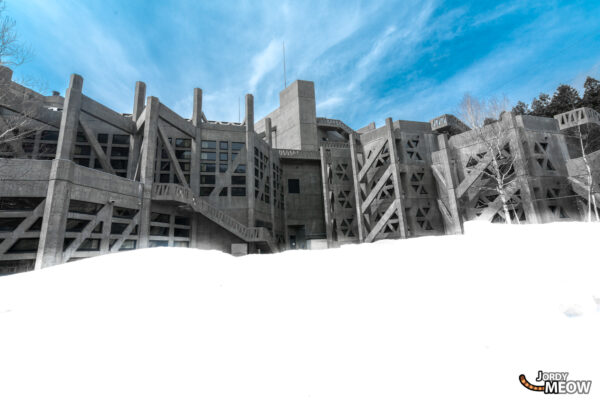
408 60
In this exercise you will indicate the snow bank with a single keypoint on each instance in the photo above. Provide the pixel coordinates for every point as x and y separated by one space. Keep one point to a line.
430 318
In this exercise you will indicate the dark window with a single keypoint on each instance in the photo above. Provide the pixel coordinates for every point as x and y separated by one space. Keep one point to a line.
117 229
122 212
205 155
103 138
238 180
158 243
238 191
207 167
183 154
84 207
90 244
293 185
19 203
209 144
237 146
37 226
223 145
223 192
240 169
128 245
119 152
120 139
159 231
223 156
24 246
156 217
223 167
181 232
206 190
76 225
118 164
9 224
82 150
49 135
182 220
207 179
183 143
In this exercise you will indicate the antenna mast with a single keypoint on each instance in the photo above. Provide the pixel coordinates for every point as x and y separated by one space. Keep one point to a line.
284 75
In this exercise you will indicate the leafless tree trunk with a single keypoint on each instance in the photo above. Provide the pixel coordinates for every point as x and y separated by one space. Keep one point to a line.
479 114
590 177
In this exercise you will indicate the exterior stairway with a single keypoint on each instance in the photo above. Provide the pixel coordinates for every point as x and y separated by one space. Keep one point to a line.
180 194
335 124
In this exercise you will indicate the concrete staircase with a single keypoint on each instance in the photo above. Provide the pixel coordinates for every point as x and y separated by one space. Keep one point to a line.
181 194
335 124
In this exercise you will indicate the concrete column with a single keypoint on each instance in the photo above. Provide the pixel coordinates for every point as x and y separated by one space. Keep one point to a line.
250 138
396 177
148 155
136 138
54 222
530 206
456 226
357 192
106 224
196 143
69 123
269 135
5 74
324 177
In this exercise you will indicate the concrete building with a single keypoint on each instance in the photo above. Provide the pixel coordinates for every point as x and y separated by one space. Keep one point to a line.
78 179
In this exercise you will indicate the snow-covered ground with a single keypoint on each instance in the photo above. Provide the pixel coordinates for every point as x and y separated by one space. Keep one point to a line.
431 318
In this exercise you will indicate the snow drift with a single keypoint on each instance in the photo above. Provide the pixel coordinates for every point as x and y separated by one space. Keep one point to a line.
429 318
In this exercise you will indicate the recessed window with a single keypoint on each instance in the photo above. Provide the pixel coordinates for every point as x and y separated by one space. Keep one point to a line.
223 167
206 190
223 145
240 169
205 155
223 192
207 179
237 146
209 144
223 156
207 167
293 185
238 180
238 191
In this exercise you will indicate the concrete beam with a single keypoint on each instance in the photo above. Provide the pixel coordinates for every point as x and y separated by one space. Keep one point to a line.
250 138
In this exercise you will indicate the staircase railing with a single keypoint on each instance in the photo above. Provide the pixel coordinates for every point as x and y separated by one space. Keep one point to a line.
182 194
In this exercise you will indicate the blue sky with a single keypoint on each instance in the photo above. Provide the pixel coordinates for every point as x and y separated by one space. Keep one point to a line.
369 60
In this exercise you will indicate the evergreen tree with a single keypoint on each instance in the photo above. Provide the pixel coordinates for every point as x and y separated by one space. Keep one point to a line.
565 99
521 109
591 95
539 106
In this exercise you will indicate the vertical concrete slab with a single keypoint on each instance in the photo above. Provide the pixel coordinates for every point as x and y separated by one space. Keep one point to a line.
327 208
456 225
250 138
196 143
357 193
396 177
135 140
54 222
269 134
147 162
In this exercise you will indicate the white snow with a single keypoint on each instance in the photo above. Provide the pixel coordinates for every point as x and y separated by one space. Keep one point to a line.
430 318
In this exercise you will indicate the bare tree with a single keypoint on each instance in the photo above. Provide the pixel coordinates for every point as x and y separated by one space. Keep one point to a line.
18 105
499 174
12 51
587 143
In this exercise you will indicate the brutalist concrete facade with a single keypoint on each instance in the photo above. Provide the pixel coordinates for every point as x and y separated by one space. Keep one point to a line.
78 179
